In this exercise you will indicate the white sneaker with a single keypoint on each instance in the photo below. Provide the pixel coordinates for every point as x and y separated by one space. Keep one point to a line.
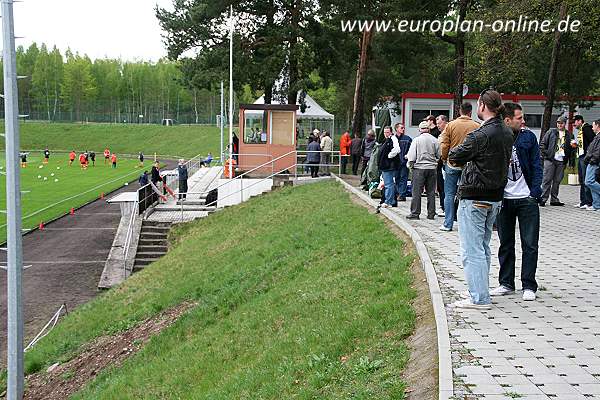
528 295
443 228
591 208
501 291
467 303
385 205
440 213
578 205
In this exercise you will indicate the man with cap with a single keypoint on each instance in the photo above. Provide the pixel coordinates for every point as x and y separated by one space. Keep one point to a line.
423 157
556 150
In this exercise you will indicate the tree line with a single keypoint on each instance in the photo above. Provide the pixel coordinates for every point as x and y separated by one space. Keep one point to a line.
283 46
71 87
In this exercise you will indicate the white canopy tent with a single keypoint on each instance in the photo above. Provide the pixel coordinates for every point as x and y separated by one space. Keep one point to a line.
313 117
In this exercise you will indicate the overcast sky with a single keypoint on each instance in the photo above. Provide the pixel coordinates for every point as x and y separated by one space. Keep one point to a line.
99 28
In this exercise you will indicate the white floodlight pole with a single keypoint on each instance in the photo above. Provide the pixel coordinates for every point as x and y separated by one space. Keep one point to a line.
231 23
221 123
14 257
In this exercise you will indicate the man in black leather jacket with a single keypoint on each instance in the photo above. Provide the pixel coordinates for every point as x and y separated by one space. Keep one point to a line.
486 154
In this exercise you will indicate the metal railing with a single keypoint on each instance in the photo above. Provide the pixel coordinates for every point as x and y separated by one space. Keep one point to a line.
129 236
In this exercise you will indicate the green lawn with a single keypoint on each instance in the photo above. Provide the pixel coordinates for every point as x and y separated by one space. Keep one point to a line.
64 187
289 306
179 140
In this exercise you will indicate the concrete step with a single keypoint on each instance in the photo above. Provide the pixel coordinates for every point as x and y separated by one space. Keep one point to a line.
185 208
155 229
152 242
149 254
156 224
153 236
192 203
151 248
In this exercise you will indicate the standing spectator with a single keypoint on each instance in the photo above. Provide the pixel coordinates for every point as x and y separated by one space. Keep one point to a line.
312 157
433 128
582 139
485 155
345 142
441 121
367 149
93 158
326 146
182 173
72 156
208 159
401 175
143 179
113 160
592 174
155 173
236 147
106 155
46 155
556 151
388 163
454 134
141 159
423 157
355 146
521 197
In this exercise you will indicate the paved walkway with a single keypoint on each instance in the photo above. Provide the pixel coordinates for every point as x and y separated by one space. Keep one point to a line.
547 349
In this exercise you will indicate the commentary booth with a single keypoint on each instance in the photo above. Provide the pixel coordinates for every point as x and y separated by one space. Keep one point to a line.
267 131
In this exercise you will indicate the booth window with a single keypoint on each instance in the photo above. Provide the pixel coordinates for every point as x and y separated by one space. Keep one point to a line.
255 127
417 115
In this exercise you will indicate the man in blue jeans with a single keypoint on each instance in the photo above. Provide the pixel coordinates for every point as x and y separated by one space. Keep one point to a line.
454 135
401 176
485 155
592 160
388 163
522 194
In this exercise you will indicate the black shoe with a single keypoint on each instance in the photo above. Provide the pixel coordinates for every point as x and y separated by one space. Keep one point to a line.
557 203
401 198
543 204
410 216
431 217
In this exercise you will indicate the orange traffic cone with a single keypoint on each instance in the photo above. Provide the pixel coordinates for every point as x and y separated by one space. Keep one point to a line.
41 225
72 211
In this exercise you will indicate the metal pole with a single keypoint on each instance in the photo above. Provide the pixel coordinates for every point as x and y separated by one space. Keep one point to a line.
14 384
231 23
221 123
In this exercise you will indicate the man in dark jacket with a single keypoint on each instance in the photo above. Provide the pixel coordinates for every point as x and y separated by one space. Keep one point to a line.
143 179
355 150
592 160
389 160
583 134
401 175
182 173
485 154
521 197
556 151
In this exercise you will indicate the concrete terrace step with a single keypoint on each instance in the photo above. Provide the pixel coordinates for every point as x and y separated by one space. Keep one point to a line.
151 248
185 208
152 242
149 254
154 235
155 229
156 224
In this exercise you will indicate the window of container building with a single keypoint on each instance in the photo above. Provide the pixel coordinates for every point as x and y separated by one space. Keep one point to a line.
418 115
